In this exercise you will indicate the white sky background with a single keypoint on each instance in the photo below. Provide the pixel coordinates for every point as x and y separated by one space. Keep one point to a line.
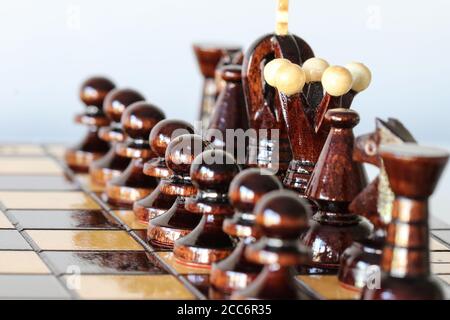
49 46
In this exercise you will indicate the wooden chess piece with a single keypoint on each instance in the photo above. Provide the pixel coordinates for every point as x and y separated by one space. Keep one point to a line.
137 122
374 203
235 272
413 172
304 107
176 222
92 94
335 182
157 202
111 165
270 147
208 57
211 172
230 113
282 217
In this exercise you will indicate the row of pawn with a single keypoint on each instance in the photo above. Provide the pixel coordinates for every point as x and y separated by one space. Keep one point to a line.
196 200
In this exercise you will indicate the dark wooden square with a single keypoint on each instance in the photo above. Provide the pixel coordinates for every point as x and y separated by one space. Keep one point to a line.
13 240
106 262
30 183
31 287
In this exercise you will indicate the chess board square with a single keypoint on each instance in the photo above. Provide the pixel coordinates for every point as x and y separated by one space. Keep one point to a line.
436 245
440 268
440 257
31 287
47 200
29 165
436 223
444 235
12 240
199 281
86 182
39 182
22 262
328 287
4 222
128 287
129 219
56 150
83 240
103 262
445 278
21 150
63 219
169 258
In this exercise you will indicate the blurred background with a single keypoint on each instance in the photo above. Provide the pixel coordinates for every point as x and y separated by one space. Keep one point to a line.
49 46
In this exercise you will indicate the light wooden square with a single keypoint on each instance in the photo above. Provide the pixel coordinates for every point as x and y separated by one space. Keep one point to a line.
29 165
22 262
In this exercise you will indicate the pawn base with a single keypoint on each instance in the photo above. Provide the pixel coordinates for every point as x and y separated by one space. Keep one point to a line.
206 244
357 261
152 206
108 167
175 223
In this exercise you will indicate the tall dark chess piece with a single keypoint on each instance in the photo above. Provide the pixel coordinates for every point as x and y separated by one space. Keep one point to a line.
235 272
229 113
303 106
208 57
374 203
281 216
157 202
111 165
211 172
270 148
413 172
335 182
92 94
177 221
132 185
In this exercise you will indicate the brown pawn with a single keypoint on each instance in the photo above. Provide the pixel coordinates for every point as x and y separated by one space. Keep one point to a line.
281 216
413 173
211 172
335 182
111 165
177 221
229 113
157 202
374 203
208 57
132 185
92 94
235 272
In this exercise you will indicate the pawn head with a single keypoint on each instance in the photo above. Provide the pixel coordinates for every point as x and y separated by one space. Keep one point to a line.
117 100
282 214
140 118
94 90
214 170
181 152
165 131
249 186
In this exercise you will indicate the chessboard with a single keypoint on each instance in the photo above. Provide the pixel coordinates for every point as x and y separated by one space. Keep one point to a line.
60 240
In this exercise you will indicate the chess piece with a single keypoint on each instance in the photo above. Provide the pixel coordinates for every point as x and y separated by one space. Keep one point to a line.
230 113
282 217
270 147
157 202
176 222
111 165
335 182
374 203
211 172
92 94
235 272
413 172
208 57
137 122
304 107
